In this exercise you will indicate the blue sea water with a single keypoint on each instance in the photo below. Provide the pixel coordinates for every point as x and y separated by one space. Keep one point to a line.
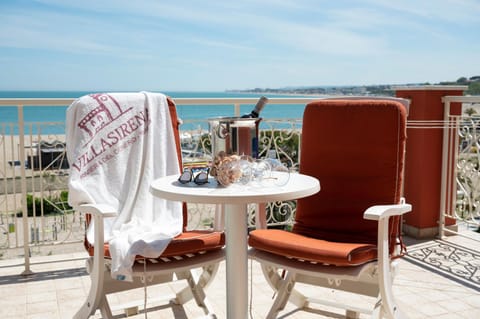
190 114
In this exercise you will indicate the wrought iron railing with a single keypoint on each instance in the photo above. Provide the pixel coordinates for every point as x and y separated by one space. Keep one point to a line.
33 172
34 214
461 164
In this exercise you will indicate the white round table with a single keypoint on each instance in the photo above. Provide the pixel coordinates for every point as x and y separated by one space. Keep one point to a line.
235 199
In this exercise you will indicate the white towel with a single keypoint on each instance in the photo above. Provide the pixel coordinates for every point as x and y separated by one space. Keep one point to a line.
116 145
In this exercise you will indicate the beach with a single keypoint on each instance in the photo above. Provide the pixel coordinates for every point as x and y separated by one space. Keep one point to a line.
11 169
10 150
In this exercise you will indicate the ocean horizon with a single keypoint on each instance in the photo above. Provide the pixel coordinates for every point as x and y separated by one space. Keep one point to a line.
191 115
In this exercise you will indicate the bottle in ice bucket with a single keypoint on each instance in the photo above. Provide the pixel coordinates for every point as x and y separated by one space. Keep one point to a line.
255 113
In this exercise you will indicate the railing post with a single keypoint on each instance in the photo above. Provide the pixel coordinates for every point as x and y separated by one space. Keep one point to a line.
424 156
26 245
236 109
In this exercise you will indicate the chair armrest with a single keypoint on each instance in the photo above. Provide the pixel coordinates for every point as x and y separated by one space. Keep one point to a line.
379 212
98 210
382 213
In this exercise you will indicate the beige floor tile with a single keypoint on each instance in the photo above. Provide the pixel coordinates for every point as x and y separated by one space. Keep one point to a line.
470 313
44 315
69 283
473 300
42 307
13 311
40 286
456 305
13 297
42 297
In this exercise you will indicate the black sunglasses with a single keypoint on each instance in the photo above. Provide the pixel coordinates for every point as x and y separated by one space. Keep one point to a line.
199 179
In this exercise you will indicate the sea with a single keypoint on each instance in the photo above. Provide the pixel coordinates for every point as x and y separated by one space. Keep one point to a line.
193 116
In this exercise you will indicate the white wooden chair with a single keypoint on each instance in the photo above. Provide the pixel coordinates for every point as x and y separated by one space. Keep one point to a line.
347 236
192 255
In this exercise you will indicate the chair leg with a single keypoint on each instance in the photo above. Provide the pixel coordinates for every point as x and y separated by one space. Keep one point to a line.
377 312
105 308
275 280
96 298
380 312
389 308
386 271
208 273
194 290
283 294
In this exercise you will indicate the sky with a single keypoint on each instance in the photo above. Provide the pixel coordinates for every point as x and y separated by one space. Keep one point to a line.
209 45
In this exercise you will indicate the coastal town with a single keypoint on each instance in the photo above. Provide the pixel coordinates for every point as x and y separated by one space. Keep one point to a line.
473 83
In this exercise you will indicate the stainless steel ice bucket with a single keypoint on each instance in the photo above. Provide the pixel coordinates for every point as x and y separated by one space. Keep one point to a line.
234 135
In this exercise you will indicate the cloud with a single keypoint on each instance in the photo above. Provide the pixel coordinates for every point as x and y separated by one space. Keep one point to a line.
118 27
67 33
454 11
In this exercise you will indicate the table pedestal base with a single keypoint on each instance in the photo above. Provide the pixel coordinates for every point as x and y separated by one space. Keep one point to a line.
236 260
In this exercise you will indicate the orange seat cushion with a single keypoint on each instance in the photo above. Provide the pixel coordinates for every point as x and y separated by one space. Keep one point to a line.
296 246
188 242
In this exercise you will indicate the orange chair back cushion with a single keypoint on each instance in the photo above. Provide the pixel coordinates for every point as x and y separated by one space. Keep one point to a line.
356 150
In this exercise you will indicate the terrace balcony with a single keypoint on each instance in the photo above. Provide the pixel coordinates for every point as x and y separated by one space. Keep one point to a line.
42 258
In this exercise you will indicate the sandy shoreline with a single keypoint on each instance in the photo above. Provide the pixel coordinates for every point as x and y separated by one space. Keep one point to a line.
11 169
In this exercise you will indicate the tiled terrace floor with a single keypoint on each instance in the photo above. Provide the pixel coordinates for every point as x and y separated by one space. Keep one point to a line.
439 279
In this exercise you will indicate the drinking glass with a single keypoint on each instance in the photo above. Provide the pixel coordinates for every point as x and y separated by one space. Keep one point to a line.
280 174
244 165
